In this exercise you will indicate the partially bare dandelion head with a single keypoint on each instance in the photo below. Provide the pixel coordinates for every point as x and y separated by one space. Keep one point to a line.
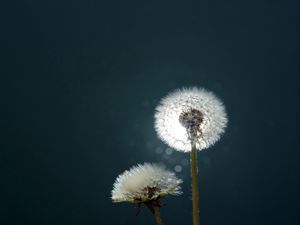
144 183
190 115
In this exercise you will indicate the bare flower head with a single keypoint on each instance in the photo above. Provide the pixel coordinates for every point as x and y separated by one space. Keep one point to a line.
145 183
188 116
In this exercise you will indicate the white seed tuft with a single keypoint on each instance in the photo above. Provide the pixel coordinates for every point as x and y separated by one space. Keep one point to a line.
144 183
171 127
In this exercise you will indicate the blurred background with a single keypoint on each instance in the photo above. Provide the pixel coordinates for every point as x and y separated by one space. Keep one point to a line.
79 84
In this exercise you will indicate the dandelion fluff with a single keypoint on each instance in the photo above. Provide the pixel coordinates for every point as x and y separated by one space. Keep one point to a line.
187 107
144 183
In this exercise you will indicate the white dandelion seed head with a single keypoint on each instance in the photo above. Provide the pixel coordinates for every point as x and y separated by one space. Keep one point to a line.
144 183
198 106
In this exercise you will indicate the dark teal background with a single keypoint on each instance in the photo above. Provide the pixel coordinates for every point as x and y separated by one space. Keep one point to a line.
79 84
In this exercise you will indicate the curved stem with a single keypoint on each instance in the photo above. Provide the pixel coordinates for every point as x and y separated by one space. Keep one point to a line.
195 191
157 216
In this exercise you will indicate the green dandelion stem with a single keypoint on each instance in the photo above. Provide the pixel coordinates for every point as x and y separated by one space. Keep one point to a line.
195 190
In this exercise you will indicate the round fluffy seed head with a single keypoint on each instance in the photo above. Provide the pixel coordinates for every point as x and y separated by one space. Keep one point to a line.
190 115
143 183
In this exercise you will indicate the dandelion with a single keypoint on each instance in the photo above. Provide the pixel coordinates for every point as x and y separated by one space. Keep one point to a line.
190 114
187 120
146 184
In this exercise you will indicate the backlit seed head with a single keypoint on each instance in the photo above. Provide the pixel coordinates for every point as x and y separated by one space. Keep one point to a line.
145 183
190 115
